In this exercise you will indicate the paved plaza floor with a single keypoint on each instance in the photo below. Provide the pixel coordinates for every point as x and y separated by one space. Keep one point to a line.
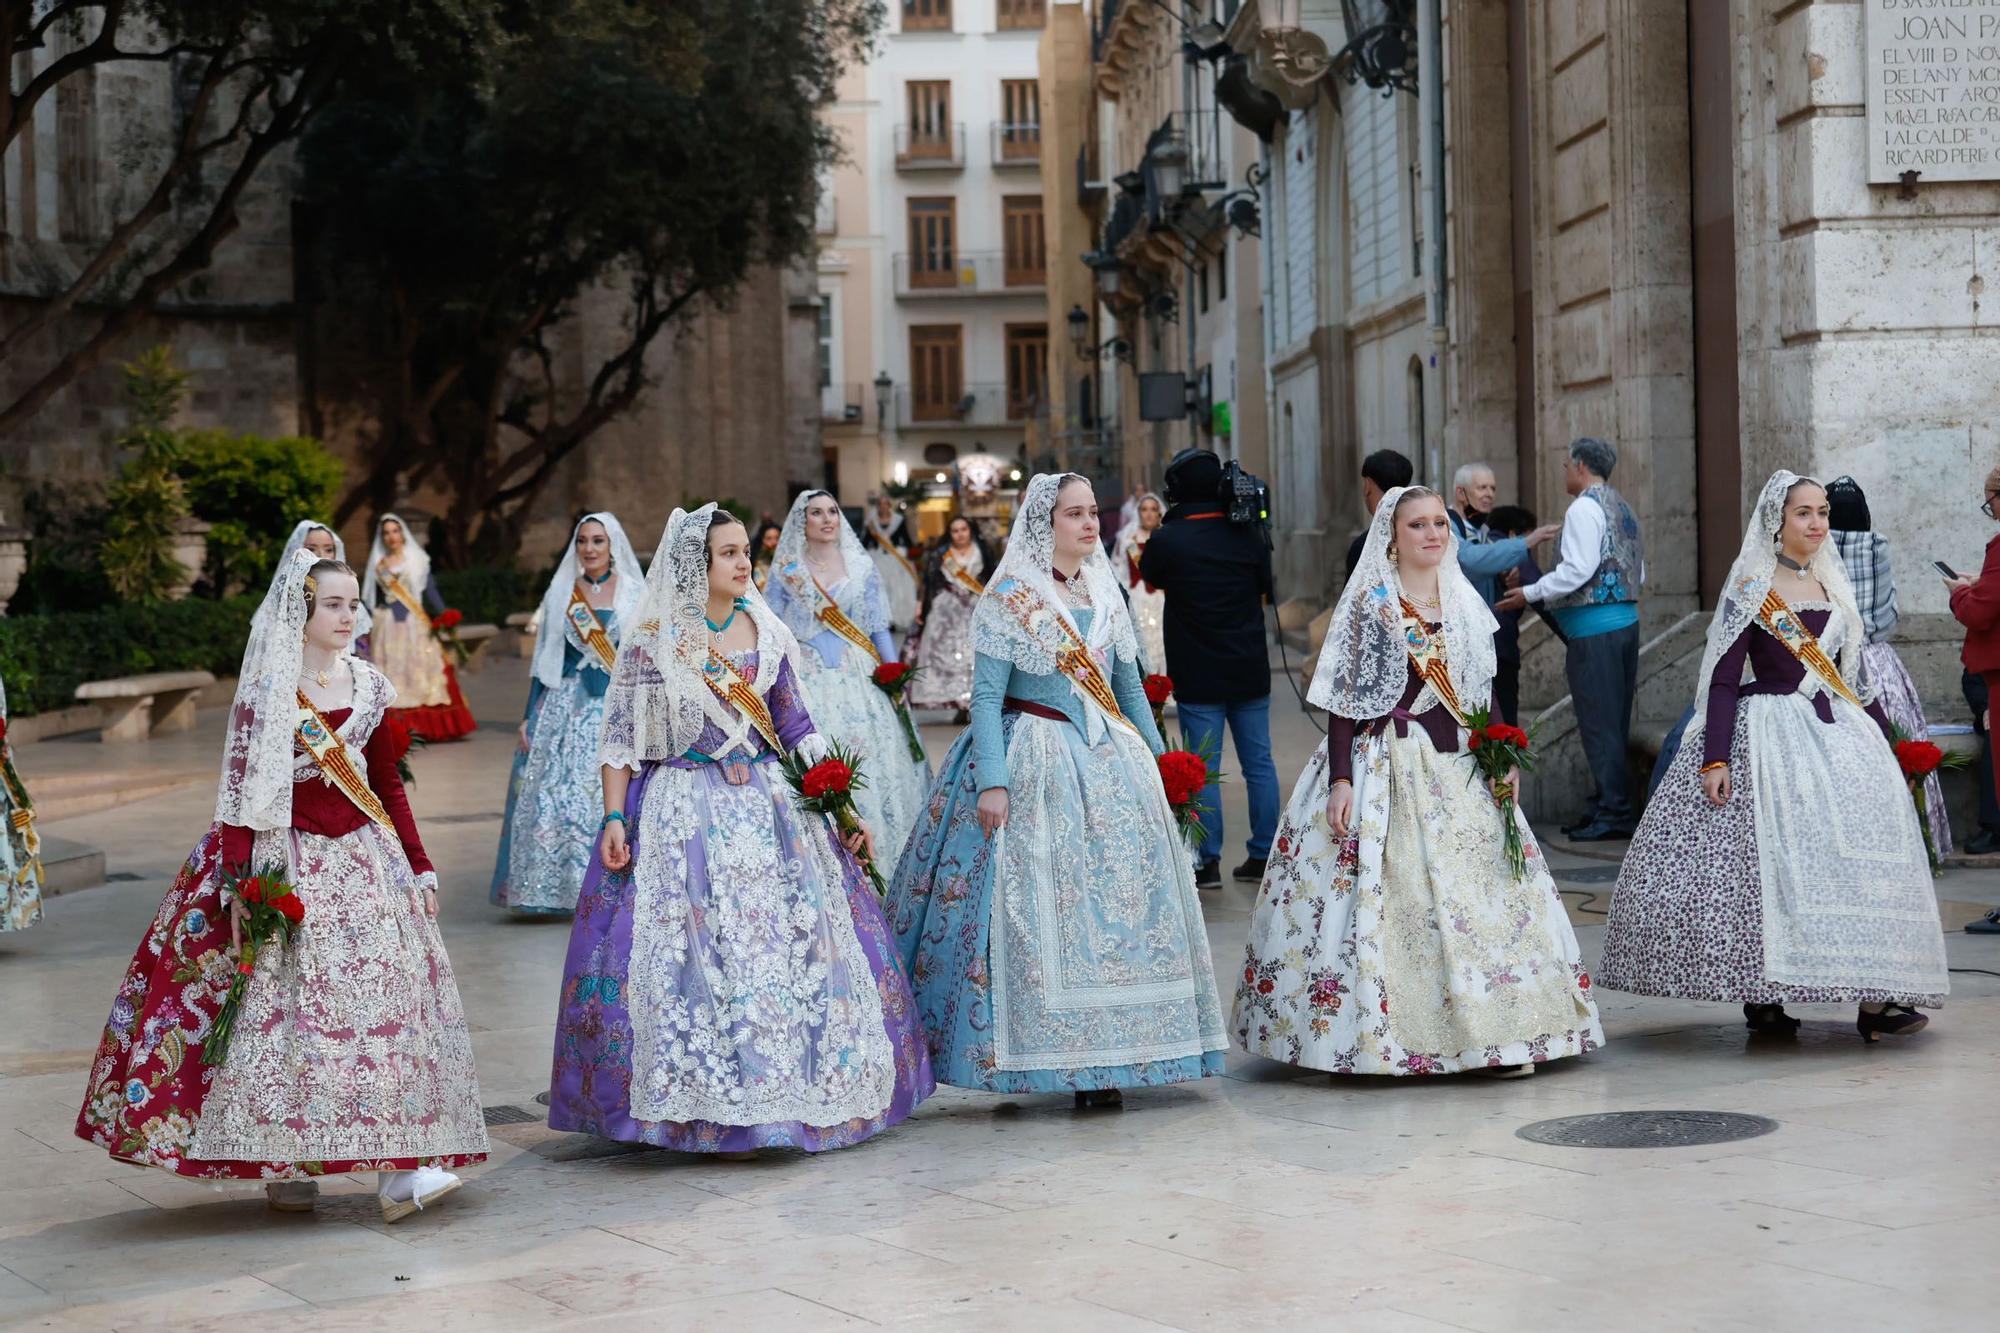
1265 1199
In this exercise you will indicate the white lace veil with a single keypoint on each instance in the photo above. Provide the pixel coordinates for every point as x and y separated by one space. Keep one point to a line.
416 571
256 791
1128 533
869 609
658 704
364 619
1363 666
998 631
552 628
1743 597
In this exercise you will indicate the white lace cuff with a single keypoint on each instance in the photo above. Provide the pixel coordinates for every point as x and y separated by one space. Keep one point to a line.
813 748
428 880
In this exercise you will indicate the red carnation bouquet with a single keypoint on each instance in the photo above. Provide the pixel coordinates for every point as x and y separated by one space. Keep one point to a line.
1918 760
827 788
401 741
445 628
893 679
272 910
1497 750
1184 772
1159 689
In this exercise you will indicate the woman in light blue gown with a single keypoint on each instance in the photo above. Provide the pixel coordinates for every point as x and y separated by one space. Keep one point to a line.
554 793
1045 906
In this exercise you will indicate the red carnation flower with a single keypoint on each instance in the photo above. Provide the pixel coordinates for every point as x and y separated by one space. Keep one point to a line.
1510 735
245 969
891 672
828 775
251 890
1183 775
1918 758
450 619
291 908
1476 739
1159 689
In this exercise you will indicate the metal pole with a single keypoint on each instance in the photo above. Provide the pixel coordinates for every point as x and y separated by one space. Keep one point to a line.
1430 103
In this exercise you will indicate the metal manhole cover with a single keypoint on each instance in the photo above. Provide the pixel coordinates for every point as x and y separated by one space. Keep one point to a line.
1646 1129
541 1099
511 1115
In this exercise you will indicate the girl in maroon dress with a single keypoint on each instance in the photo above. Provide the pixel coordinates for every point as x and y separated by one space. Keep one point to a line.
351 1051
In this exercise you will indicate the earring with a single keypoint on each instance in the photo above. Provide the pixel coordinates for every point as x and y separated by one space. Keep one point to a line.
1393 557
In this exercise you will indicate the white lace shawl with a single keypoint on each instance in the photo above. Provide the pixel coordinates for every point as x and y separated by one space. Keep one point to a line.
659 703
1363 666
364 619
552 627
416 571
1743 598
1021 617
861 596
1129 534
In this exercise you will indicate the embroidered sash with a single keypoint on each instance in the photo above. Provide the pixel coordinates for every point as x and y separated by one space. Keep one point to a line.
882 540
393 585
22 816
336 764
1074 659
1427 654
1788 628
835 619
962 576
730 687
584 621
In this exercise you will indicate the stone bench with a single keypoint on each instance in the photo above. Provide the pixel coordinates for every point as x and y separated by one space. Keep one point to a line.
475 638
137 708
522 623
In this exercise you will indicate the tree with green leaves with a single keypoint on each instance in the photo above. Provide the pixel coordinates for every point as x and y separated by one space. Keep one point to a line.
248 78
653 150
148 501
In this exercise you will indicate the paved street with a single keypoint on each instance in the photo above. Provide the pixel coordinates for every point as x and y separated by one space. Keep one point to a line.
1261 1200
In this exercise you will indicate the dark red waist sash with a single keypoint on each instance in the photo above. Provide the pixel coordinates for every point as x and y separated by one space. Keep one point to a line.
1032 709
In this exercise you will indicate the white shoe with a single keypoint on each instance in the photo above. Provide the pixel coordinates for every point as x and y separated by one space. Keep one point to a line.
406 1192
291 1196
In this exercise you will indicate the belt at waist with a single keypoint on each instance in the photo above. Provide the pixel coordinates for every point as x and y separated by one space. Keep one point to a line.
1437 723
1032 709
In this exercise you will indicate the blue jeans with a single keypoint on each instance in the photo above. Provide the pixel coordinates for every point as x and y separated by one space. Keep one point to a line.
1250 723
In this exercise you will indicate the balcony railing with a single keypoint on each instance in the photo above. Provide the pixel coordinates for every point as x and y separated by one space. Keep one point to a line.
977 405
930 148
1017 145
842 404
966 274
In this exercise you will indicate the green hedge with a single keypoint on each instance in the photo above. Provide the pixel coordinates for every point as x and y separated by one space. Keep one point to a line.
44 658
486 595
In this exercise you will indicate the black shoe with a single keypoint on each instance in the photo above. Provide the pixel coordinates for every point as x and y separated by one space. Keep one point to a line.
1985 925
1208 875
1770 1020
1983 843
1251 871
1100 1099
1600 833
1570 830
1893 1020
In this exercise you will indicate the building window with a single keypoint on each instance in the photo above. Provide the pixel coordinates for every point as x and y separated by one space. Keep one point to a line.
1027 259
929 105
1022 14
76 157
1021 119
926 15
826 340
937 371
933 242
1414 172
1027 369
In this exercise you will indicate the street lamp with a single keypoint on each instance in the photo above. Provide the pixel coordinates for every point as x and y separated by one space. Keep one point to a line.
885 389
1381 44
1079 331
1107 269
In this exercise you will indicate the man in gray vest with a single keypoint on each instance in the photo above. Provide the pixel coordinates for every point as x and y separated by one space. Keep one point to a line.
1593 594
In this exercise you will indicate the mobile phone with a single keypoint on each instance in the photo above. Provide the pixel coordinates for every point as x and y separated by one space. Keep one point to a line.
1944 569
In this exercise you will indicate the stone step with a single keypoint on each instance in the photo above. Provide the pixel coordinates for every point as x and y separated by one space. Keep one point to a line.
68 866
61 796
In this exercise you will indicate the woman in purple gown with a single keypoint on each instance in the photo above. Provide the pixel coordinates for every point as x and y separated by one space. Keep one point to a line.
730 983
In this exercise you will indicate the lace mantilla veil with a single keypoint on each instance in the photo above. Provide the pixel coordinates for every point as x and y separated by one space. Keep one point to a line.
416 570
256 790
659 704
1743 597
552 629
364 619
1363 666
1033 646
870 610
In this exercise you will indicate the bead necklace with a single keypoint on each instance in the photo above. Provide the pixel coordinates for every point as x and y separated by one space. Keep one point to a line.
741 604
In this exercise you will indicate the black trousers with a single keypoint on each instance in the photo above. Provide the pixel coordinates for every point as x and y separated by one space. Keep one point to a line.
1976 698
1603 671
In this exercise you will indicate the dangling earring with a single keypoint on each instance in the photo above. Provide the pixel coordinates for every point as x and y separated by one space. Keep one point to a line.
1393 557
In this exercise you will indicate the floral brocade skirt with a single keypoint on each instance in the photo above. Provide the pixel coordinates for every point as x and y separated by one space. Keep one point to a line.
351 1052
428 699
944 654
847 707
1410 947
555 798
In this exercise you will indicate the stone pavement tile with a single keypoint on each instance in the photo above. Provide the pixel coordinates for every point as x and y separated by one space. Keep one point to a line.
26 1211
767 1308
1945 1261
467 1306
171 1306
1668 1177
20 1298
45 1166
428 1260
1966 1196
1037 1233
718 1267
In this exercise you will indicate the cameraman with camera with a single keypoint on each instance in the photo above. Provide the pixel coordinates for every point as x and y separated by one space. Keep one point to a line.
1212 559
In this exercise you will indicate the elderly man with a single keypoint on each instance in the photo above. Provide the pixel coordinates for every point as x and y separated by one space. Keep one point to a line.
1482 556
1593 595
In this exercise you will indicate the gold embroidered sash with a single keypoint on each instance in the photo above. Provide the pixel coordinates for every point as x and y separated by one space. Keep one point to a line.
336 764
738 693
882 540
1789 628
393 585
1426 648
962 576
22 816
590 630
835 619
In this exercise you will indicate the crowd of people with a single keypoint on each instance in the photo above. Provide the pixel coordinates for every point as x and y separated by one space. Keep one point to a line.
753 963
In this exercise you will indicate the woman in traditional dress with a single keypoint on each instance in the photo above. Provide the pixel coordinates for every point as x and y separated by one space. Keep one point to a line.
1780 860
1391 935
730 983
325 544
1046 906
1864 555
763 550
351 1052
403 598
20 844
828 594
887 541
1148 603
554 794
953 580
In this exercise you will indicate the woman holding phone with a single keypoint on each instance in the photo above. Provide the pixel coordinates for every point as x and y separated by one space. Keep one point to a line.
1976 604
